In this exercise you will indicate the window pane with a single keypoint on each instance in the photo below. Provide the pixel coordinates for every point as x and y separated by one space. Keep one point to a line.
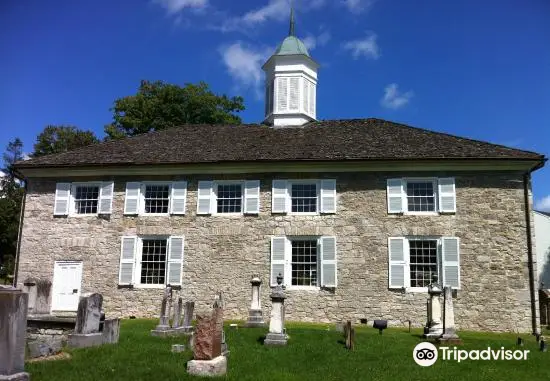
86 199
229 198
304 198
423 260
304 263
153 261
421 196
157 198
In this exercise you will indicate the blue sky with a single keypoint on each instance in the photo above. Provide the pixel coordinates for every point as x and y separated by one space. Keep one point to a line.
479 69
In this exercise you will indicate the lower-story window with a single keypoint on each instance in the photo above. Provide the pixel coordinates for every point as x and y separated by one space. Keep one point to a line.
414 261
304 262
151 261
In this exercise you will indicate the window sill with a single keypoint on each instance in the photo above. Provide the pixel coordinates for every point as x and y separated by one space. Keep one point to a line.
414 290
150 286
421 213
303 288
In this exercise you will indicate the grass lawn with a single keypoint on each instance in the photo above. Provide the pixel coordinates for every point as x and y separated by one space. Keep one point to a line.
313 353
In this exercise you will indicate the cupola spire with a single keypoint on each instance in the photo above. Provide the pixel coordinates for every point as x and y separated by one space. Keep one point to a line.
291 31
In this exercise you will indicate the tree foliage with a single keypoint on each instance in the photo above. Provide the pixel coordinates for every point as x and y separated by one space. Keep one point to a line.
158 105
11 195
56 139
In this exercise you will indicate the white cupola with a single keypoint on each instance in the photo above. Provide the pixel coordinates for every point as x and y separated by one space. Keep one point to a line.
290 83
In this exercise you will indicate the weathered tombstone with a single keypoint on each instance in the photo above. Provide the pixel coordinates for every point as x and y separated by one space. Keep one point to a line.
188 316
255 315
111 331
13 331
163 328
176 321
277 335
207 345
29 286
435 326
86 333
43 291
176 348
449 330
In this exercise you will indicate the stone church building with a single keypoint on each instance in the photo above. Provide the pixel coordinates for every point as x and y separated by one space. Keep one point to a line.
357 215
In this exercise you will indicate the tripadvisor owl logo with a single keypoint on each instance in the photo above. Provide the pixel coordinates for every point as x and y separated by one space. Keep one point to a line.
425 354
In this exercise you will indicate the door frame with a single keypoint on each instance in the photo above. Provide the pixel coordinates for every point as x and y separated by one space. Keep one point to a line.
55 266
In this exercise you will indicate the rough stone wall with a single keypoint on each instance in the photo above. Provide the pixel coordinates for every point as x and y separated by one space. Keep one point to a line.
222 252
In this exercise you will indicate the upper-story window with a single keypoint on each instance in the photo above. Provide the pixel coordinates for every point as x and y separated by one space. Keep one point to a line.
304 196
90 198
421 195
228 197
155 198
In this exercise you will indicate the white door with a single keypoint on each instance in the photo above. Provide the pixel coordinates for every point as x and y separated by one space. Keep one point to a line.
67 278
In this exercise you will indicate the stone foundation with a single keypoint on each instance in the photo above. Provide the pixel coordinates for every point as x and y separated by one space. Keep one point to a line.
47 335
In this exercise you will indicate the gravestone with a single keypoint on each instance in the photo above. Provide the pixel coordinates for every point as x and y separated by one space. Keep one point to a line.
255 315
277 334
176 321
111 331
435 326
86 333
207 344
29 286
449 329
163 328
188 317
13 331
349 332
43 292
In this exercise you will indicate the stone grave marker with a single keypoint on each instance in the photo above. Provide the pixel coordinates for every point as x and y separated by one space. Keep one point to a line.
277 334
435 325
449 329
13 332
255 315
163 328
86 333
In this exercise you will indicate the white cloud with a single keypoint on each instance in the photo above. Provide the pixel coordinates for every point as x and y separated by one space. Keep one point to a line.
311 41
393 98
543 204
358 6
244 64
176 6
364 47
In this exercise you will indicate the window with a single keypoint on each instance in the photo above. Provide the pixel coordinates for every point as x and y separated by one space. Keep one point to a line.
304 263
230 198
413 261
91 198
153 261
423 262
304 198
157 198
421 196
86 199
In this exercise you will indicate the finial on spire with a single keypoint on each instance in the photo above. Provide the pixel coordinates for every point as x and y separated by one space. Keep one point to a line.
291 30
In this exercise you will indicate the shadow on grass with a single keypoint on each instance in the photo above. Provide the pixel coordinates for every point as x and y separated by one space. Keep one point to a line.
261 340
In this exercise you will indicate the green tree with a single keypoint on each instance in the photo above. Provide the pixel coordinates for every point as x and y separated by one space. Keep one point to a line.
56 139
158 105
11 195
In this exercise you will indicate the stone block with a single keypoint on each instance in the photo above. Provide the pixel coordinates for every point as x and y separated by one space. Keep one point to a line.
13 331
84 340
45 346
275 339
176 348
22 376
208 368
111 331
89 314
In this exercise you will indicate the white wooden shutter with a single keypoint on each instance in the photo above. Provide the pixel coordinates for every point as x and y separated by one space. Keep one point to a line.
131 200
127 260
204 200
328 262
451 261
106 197
294 102
178 197
279 203
278 258
282 94
175 261
398 259
395 195
305 95
62 197
328 196
252 197
447 195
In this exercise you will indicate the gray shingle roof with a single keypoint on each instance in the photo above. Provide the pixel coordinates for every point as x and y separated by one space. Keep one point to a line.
330 140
